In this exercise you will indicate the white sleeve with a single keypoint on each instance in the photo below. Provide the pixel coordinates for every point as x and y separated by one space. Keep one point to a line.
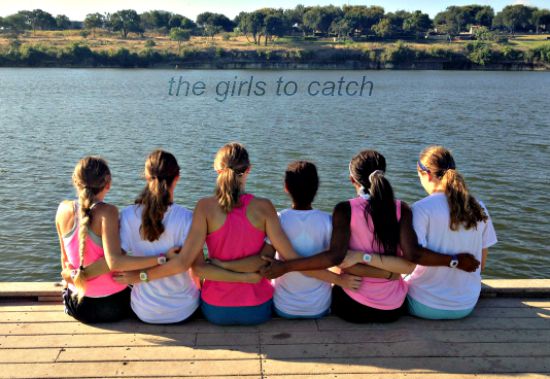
125 234
421 222
489 236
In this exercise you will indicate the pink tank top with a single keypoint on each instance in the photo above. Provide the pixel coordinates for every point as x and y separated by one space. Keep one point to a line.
102 285
236 239
373 292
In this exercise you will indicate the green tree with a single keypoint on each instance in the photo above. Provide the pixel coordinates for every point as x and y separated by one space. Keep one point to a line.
516 17
273 26
126 21
541 19
341 28
94 21
362 18
180 35
321 18
383 28
62 22
214 21
417 23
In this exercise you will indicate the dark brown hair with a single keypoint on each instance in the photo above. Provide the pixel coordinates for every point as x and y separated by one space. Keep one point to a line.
465 209
302 182
161 168
381 203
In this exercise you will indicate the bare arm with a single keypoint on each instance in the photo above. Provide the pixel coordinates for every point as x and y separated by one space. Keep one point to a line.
363 270
385 262
484 253
209 271
248 264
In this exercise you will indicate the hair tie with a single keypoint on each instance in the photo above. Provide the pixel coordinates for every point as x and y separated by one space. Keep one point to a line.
81 268
375 173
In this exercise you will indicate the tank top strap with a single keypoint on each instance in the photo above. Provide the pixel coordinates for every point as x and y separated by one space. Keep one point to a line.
244 200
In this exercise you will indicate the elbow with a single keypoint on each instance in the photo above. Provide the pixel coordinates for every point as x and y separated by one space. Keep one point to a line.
115 264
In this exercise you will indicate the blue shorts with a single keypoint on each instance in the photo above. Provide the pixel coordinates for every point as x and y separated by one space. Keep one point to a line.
423 311
289 316
253 315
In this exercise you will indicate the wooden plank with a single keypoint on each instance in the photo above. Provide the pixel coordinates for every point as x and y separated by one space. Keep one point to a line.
28 355
130 368
30 289
404 335
127 326
468 365
233 339
417 349
97 340
516 287
531 312
407 375
29 306
159 353
333 323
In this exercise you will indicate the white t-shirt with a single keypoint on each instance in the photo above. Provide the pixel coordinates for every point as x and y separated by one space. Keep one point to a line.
167 300
444 287
309 233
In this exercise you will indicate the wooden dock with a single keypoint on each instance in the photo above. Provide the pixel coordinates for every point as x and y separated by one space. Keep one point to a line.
508 335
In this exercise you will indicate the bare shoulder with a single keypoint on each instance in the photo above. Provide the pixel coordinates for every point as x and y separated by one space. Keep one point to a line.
206 204
105 210
263 205
64 210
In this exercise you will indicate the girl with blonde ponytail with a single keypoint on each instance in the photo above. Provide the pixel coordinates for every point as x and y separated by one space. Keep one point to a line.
88 230
449 220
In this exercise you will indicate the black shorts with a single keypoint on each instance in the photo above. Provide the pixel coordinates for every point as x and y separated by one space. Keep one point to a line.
93 310
350 310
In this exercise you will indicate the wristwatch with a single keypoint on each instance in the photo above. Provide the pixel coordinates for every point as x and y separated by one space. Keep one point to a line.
454 261
161 259
367 258
144 277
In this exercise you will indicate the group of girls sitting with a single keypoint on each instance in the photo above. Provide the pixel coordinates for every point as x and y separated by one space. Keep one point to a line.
150 261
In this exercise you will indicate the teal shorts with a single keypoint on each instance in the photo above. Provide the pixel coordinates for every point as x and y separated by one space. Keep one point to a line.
294 317
423 311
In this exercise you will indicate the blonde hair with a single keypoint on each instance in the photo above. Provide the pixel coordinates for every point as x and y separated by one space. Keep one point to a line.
161 168
90 177
465 209
231 164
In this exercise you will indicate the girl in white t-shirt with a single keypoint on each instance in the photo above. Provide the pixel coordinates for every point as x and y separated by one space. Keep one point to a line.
450 221
152 226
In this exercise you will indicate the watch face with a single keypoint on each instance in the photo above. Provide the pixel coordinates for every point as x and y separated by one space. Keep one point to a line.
143 276
454 263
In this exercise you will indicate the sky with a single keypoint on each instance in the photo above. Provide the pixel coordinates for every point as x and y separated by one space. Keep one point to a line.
77 9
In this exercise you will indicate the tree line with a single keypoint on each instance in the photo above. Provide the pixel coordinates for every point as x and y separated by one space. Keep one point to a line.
267 24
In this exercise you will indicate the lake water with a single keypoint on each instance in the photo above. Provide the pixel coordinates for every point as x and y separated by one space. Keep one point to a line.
496 123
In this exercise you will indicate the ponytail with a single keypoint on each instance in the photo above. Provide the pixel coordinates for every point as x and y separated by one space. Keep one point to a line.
367 168
228 189
464 209
381 207
90 177
231 163
161 168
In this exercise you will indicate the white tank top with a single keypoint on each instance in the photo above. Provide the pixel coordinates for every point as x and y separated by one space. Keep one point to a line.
167 300
309 233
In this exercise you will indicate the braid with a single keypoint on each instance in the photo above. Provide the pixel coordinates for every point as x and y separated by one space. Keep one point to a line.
90 177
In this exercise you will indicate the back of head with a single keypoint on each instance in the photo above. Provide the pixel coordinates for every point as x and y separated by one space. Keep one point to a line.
90 177
302 182
368 169
161 168
465 209
231 163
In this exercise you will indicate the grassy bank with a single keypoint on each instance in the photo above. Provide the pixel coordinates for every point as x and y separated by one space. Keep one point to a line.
70 48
